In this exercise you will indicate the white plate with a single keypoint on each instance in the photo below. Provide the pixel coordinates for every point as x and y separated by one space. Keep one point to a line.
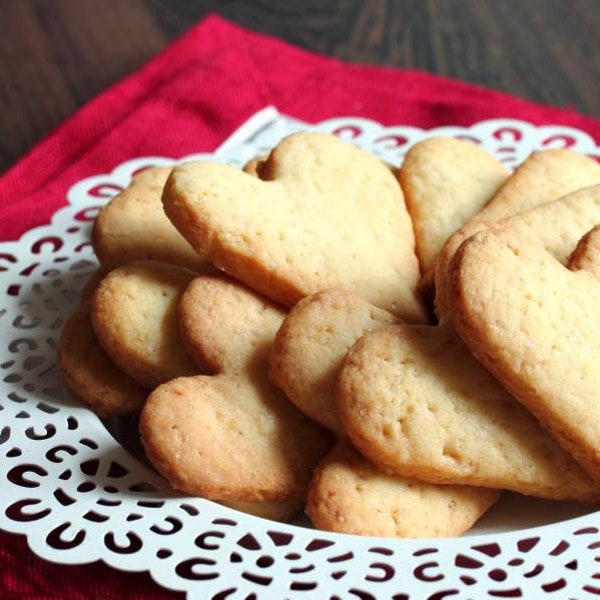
79 495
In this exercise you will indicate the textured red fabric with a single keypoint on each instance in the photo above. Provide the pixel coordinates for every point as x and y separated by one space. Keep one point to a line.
188 99
210 81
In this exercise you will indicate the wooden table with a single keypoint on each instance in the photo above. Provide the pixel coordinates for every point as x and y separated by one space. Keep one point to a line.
57 54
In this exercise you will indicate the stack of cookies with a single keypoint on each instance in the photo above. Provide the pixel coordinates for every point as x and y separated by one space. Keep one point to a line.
387 349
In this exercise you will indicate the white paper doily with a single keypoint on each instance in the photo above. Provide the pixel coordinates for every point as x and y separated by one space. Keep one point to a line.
79 496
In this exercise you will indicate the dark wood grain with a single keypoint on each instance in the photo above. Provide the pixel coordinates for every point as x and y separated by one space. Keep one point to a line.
57 54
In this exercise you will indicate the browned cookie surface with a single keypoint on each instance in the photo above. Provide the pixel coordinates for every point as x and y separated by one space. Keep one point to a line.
90 373
233 436
416 402
133 226
535 325
446 181
134 314
350 495
325 214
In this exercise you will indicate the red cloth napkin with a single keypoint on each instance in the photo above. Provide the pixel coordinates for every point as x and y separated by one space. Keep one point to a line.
188 99
201 88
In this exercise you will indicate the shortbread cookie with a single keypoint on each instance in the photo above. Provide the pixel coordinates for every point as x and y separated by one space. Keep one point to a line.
232 436
227 326
545 176
133 226
557 225
535 325
326 215
416 402
89 372
134 315
348 495
586 255
311 344
446 181
542 177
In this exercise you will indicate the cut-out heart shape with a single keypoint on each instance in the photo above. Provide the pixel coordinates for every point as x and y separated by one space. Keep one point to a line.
395 369
416 402
134 315
234 435
348 493
446 181
133 226
325 214
536 326
543 177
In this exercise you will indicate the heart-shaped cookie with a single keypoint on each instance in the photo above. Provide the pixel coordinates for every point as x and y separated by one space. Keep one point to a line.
325 214
348 493
233 436
534 324
543 177
557 225
392 375
416 402
446 181
133 226
134 315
